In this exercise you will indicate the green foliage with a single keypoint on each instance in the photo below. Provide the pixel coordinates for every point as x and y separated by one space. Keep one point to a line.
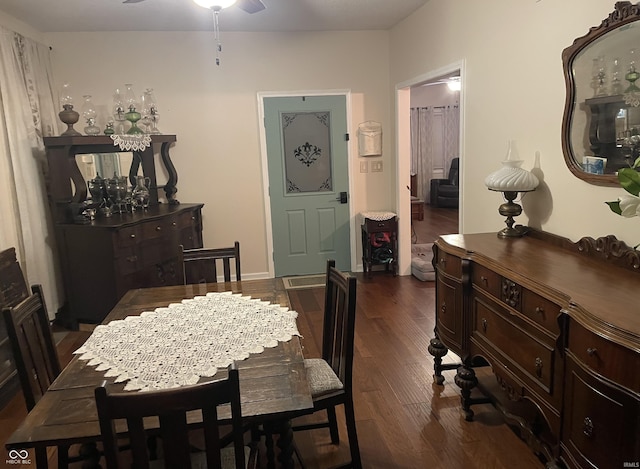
629 179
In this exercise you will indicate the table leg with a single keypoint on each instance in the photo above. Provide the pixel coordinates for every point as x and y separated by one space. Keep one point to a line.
285 444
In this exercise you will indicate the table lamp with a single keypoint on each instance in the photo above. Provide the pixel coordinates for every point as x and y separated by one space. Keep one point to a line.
510 180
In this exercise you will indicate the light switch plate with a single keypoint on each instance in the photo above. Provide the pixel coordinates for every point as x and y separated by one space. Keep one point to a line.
376 166
364 166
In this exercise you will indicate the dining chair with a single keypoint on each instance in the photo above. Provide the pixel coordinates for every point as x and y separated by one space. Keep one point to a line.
201 265
171 407
35 356
330 376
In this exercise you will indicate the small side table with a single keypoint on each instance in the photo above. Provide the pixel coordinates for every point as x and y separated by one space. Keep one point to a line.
380 244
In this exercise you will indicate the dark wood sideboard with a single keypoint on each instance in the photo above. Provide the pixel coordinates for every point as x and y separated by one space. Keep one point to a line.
549 332
103 258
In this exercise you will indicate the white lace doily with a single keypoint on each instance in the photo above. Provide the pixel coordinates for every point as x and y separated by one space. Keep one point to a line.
378 216
135 142
176 345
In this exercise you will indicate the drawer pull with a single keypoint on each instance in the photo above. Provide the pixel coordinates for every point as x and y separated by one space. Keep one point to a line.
193 218
592 352
484 279
587 429
173 223
443 308
132 258
158 228
540 310
132 236
539 367
443 262
484 325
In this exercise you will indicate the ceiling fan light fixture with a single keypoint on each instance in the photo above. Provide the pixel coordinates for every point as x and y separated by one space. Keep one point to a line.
215 4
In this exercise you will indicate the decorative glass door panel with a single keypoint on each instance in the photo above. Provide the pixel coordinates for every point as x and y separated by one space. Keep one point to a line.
307 151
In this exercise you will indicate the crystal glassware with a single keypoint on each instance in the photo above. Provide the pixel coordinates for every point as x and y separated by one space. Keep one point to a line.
89 114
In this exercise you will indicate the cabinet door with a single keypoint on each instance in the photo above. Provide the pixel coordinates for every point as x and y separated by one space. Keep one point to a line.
601 424
449 313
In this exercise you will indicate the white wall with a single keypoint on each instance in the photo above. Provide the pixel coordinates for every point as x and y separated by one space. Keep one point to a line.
514 89
213 110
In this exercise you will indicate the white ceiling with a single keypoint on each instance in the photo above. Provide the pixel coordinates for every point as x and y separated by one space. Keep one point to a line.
184 15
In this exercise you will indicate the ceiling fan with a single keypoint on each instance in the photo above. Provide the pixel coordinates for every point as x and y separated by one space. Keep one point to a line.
250 6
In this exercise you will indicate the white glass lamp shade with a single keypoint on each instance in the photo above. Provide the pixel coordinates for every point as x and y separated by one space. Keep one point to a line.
214 4
511 178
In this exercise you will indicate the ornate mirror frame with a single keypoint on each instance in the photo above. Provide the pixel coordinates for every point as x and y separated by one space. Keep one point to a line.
625 12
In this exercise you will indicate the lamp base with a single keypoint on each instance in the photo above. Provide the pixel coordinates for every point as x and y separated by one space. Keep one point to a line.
510 209
513 232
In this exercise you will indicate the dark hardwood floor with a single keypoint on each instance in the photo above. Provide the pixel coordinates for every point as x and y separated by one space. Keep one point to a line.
404 420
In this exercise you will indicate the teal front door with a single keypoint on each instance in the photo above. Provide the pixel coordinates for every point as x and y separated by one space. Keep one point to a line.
308 182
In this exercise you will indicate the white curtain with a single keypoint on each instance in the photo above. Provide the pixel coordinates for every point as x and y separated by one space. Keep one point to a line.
451 132
27 113
422 149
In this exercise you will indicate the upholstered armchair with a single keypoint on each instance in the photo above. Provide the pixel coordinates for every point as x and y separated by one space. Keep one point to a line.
445 192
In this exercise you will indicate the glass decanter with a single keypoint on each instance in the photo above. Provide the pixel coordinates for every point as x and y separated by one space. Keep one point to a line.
89 114
140 193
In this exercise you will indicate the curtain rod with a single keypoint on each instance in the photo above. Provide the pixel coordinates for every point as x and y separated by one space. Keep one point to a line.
437 107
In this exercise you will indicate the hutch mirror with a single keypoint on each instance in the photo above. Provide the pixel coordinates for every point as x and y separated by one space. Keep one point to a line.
601 121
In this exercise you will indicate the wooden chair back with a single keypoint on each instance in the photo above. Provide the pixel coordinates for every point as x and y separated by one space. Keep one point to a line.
33 347
13 287
171 406
201 265
339 323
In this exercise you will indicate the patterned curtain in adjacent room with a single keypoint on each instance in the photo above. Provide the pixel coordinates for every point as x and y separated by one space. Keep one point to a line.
451 132
27 113
422 149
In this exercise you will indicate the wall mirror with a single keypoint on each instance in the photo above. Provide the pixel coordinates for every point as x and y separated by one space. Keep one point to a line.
601 121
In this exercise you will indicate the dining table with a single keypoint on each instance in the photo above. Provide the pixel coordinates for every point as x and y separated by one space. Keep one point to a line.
273 382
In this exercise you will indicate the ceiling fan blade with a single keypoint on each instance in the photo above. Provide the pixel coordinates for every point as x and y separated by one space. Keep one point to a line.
251 6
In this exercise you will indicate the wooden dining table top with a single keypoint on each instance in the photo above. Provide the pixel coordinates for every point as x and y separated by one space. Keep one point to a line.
273 384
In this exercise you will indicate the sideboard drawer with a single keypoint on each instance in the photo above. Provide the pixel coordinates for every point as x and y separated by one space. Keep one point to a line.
530 357
380 226
606 358
127 236
541 311
486 280
601 423
449 264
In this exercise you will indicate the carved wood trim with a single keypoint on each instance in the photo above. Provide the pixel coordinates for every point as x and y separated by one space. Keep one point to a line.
623 13
610 249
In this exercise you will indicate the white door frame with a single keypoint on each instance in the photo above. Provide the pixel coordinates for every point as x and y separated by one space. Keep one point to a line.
403 161
265 168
